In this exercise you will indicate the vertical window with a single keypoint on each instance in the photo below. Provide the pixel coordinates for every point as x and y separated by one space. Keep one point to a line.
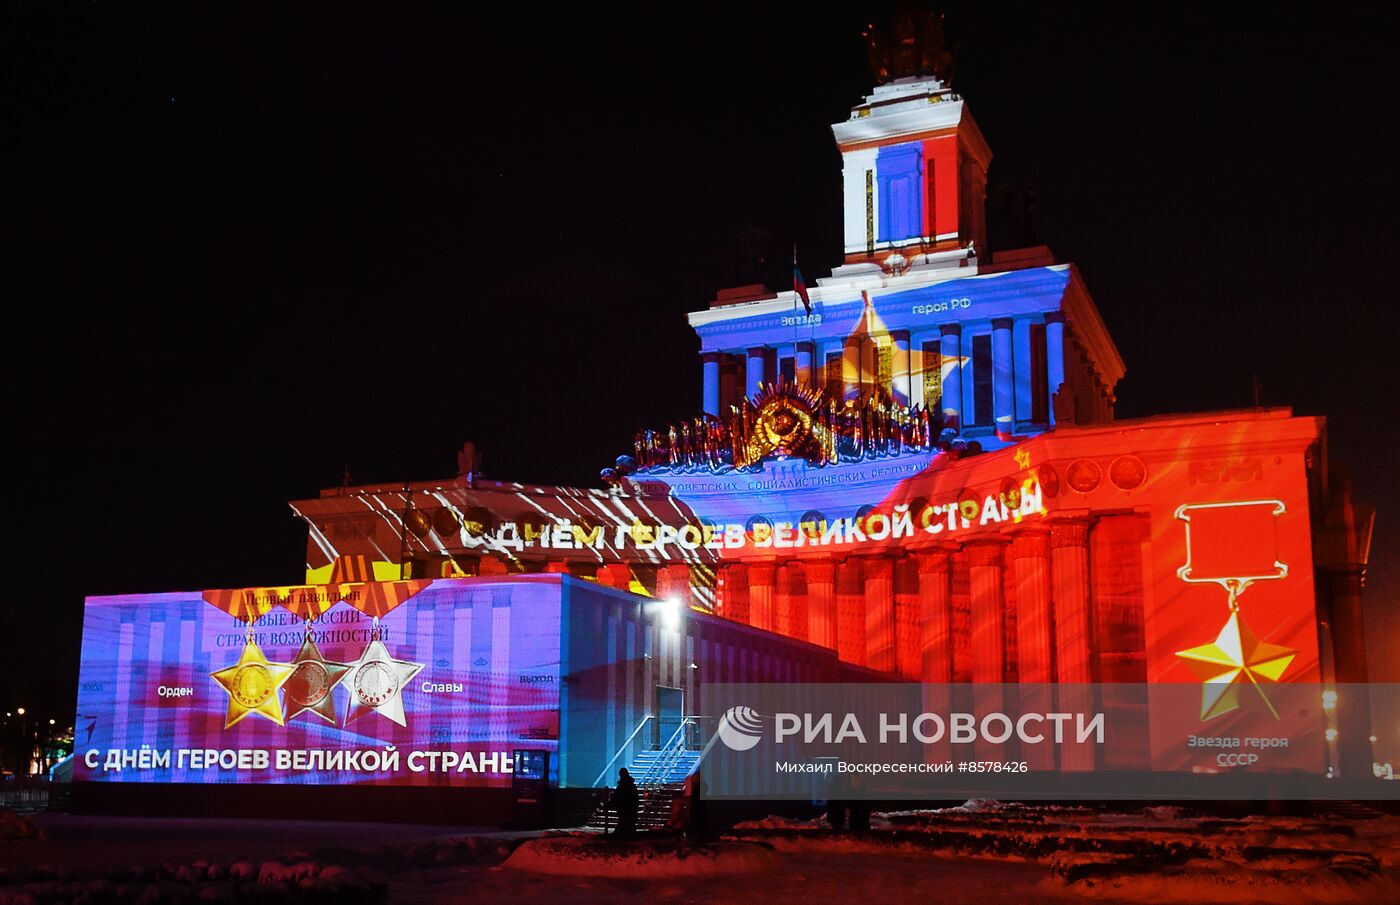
731 381
787 369
834 388
933 376
982 379
897 169
884 369
930 209
1040 376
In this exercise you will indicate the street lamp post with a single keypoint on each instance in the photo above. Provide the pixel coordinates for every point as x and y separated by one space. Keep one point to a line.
22 761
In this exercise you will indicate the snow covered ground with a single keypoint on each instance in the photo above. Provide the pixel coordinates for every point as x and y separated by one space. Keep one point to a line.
981 852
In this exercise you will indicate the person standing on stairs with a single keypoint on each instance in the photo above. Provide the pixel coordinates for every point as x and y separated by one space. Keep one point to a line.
624 801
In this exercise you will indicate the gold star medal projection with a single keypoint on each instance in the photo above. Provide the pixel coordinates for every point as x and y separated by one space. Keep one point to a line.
252 683
1233 545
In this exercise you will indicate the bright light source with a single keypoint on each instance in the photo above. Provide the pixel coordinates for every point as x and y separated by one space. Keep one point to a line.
1329 700
51 723
1331 735
668 612
20 711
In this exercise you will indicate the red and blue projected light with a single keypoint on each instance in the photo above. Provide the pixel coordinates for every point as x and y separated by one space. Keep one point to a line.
404 683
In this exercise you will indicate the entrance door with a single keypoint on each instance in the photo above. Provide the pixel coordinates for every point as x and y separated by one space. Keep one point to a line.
670 707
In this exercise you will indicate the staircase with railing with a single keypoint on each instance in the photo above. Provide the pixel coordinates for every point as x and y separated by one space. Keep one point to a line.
660 774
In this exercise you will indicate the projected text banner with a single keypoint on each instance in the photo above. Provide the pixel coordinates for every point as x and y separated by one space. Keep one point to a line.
174 687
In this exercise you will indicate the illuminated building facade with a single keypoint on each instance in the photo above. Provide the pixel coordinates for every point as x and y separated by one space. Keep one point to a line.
923 472
911 471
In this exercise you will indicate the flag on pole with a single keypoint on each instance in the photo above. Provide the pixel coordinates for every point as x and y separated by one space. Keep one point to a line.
799 285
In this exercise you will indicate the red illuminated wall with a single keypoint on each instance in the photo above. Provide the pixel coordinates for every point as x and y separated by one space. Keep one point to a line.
941 174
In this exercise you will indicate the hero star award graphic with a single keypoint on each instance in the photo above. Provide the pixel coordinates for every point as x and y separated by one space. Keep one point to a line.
1234 546
252 684
309 688
377 681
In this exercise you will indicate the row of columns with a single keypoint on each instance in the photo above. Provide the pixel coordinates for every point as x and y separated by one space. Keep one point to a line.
907 378
858 607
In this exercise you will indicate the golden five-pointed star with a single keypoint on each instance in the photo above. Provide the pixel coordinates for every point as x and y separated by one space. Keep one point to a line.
1233 658
252 685
313 678
376 684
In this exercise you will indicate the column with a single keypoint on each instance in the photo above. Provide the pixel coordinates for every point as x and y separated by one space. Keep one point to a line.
850 612
673 583
936 640
879 613
1069 584
1069 569
785 602
907 641
821 602
1003 382
711 374
1054 355
761 576
803 365
899 368
734 591
798 597
950 348
988 611
988 637
1030 555
615 575
753 370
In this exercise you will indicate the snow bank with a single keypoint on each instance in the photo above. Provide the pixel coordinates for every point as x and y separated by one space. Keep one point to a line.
589 856
1216 881
15 826
774 822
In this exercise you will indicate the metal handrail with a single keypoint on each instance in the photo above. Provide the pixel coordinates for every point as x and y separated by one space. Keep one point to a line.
625 745
668 755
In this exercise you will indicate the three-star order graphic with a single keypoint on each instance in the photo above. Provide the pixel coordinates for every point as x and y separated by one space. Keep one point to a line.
376 682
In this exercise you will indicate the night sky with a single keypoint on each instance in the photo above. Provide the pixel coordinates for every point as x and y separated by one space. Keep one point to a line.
249 248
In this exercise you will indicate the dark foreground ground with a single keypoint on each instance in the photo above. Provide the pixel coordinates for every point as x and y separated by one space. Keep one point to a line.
983 853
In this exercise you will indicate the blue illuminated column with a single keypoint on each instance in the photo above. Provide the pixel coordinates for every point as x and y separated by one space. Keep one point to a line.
1003 384
804 365
900 377
711 400
951 352
1054 355
753 370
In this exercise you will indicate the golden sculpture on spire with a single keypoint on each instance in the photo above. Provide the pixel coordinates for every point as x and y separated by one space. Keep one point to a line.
912 45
